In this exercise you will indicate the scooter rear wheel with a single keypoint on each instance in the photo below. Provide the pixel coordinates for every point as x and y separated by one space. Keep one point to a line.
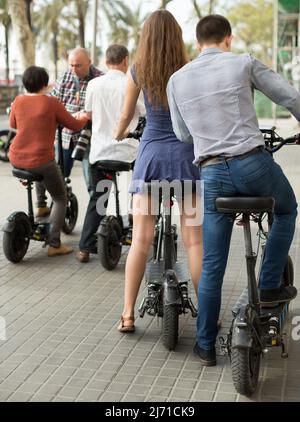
16 241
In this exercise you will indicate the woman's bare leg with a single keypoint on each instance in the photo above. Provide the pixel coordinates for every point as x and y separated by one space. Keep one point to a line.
191 231
142 236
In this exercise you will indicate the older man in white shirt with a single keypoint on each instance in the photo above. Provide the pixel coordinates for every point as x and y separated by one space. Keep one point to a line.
104 102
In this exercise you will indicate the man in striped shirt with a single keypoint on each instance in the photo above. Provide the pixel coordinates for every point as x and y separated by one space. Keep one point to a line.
70 89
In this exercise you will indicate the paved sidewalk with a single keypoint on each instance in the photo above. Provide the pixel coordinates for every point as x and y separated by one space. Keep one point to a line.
61 316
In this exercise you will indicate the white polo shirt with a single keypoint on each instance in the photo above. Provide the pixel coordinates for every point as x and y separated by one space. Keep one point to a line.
105 99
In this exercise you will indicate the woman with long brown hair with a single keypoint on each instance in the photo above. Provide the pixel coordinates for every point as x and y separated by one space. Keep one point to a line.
161 156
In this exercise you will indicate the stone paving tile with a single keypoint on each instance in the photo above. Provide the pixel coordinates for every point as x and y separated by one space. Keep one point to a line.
20 397
206 386
62 399
134 398
203 395
181 394
42 398
164 381
28 387
4 394
89 395
111 397
49 389
162 391
62 343
225 397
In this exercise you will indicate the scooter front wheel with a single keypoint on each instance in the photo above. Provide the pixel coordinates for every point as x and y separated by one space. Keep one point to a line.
16 239
109 242
71 214
170 326
245 366
4 145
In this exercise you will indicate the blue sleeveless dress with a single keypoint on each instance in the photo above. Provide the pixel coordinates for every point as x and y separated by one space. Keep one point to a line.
161 156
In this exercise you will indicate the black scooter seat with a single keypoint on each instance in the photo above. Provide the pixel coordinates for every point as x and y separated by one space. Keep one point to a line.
113 165
246 205
26 175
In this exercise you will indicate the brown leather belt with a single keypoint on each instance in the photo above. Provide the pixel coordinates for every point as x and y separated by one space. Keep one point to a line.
219 159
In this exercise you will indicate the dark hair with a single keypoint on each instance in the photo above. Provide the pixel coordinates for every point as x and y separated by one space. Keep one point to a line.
35 78
116 53
212 29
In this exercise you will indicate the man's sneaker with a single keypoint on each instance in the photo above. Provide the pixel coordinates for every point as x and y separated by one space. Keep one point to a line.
61 250
42 212
274 296
207 357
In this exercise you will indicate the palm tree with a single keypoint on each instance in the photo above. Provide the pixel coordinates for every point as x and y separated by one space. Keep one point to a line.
46 19
81 11
211 6
54 25
6 22
197 9
164 3
125 23
23 31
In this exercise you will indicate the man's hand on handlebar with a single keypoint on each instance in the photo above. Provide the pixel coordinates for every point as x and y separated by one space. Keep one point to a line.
81 115
273 142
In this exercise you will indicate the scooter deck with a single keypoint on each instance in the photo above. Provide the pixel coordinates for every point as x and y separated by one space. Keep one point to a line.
275 311
42 220
155 271
265 312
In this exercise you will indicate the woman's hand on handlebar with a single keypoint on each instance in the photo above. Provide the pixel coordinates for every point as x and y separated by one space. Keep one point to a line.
120 136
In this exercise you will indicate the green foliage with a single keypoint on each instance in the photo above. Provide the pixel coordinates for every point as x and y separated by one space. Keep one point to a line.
263 105
252 24
4 16
125 23
289 6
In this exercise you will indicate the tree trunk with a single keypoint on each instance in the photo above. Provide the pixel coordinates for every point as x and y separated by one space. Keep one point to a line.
81 17
28 11
55 53
6 53
23 32
197 9
164 3
211 7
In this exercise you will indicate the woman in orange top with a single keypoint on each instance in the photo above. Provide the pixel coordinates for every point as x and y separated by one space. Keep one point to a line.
36 115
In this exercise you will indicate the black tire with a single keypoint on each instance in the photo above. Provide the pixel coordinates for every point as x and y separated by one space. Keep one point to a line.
71 215
170 327
110 243
175 239
288 273
4 147
245 365
16 242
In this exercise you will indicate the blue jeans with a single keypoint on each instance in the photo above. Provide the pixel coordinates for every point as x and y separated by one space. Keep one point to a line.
86 168
92 218
255 175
